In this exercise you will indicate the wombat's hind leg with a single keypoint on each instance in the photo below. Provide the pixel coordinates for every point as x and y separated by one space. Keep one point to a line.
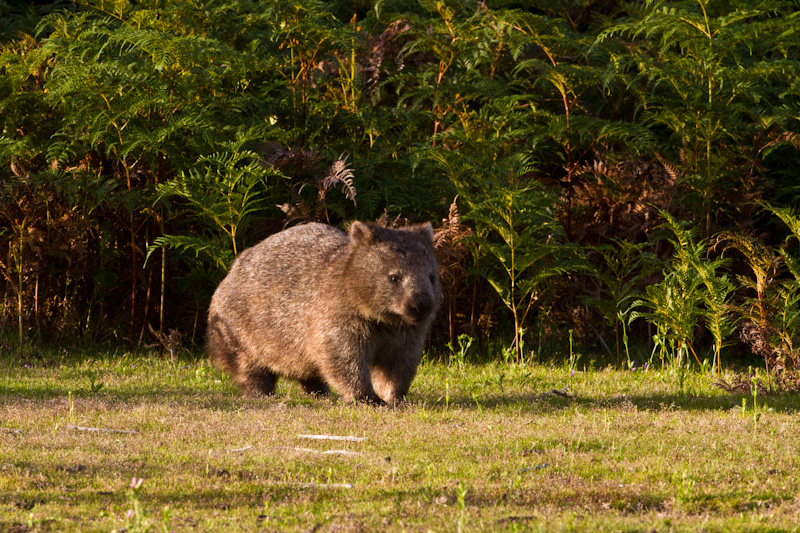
222 344
258 382
315 386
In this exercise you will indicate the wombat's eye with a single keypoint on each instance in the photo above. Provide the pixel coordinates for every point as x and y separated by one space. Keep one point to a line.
394 278
433 279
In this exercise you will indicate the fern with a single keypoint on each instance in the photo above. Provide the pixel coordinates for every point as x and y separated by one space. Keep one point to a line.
621 267
719 312
224 193
691 289
704 72
153 125
525 250
220 256
786 326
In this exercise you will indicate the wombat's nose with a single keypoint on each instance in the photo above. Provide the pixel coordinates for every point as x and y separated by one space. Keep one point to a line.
420 306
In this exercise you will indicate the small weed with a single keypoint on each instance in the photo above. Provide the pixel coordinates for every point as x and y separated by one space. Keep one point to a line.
571 364
511 354
477 403
680 371
201 373
501 377
461 504
134 517
166 518
459 356
686 488
755 384
94 385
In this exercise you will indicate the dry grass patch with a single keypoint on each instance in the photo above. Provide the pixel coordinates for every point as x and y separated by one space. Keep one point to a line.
476 448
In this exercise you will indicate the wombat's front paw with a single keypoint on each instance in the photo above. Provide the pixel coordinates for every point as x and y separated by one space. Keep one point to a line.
395 402
369 399
375 400
392 400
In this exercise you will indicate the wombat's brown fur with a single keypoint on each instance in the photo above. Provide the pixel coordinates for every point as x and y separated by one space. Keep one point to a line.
314 304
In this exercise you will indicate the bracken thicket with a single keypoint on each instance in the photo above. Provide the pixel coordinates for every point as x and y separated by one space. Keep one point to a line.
616 177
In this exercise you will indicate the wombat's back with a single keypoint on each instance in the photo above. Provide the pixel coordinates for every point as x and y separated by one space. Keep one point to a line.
264 307
298 253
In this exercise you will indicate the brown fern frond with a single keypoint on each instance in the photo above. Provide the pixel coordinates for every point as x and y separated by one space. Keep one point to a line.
788 136
451 236
778 383
339 172
384 48
742 384
620 199
387 222
673 172
453 220
170 342
449 242
299 210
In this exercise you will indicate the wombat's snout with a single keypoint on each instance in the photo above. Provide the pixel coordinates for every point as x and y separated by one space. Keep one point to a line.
419 307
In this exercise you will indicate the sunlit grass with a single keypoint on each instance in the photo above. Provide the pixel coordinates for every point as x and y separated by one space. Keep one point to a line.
477 447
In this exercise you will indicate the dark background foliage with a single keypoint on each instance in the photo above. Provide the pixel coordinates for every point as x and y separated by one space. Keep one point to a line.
614 176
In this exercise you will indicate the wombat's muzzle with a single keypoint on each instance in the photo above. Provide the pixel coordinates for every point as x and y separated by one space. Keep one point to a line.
418 307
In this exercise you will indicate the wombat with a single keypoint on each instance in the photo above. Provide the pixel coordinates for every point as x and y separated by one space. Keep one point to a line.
347 312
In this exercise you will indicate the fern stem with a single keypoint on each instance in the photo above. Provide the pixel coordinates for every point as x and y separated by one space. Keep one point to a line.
163 290
689 345
18 259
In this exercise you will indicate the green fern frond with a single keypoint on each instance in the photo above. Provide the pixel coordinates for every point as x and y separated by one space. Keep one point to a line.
220 256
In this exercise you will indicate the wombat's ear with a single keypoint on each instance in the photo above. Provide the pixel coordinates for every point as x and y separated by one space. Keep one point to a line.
427 230
361 233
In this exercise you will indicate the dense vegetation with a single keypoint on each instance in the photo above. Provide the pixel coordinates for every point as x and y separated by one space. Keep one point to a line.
605 175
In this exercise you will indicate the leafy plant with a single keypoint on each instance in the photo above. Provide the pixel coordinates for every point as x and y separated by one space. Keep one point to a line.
710 74
786 323
571 363
95 386
674 308
691 289
718 315
223 194
620 268
765 265
459 355
461 503
524 250
770 310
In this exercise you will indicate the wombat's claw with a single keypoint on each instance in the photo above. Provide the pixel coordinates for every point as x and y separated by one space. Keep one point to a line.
258 394
375 401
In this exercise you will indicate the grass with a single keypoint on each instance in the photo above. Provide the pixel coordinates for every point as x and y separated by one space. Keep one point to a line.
478 447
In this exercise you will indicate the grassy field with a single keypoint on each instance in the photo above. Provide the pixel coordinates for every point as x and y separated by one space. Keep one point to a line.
476 448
